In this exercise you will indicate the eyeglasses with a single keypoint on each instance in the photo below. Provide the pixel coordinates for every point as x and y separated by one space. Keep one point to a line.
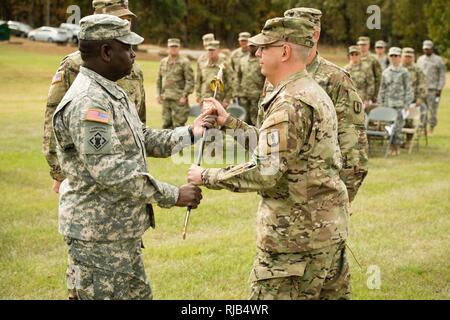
394 55
262 48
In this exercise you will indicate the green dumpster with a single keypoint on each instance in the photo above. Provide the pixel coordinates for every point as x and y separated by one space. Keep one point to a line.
4 31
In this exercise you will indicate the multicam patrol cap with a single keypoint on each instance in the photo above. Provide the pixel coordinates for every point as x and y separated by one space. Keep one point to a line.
107 27
213 45
380 44
244 36
299 31
311 14
427 44
353 49
395 51
408 52
173 42
117 8
363 40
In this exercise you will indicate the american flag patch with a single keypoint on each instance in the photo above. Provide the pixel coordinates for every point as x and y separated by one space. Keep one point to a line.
58 77
97 115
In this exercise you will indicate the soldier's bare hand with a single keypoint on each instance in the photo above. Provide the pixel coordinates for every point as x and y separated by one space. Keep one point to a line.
195 175
207 119
222 114
189 196
56 185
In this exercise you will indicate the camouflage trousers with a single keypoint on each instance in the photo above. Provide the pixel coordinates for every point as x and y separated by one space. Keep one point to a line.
433 106
174 115
317 274
397 139
106 271
251 106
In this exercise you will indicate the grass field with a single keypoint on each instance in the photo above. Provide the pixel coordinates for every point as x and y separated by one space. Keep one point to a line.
400 222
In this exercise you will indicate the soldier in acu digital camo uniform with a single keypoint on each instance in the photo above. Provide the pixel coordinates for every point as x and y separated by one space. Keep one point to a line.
303 213
249 83
363 78
434 69
174 84
105 200
372 63
396 92
133 84
419 87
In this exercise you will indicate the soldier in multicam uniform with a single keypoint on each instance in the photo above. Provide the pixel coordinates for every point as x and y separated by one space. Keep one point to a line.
380 51
207 70
249 82
363 78
303 213
207 38
133 84
434 69
396 92
105 200
240 52
174 84
372 63
419 86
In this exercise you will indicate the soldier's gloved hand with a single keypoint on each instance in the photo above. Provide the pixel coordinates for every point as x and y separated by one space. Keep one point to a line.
438 93
222 114
207 119
195 175
189 196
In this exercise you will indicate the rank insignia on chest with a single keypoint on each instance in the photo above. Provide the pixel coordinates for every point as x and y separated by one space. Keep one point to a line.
97 115
273 139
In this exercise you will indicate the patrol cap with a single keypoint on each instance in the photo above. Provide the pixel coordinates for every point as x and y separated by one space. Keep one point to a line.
427 44
408 52
107 27
363 40
395 51
173 42
311 14
295 30
353 49
213 45
380 44
117 8
244 36
207 38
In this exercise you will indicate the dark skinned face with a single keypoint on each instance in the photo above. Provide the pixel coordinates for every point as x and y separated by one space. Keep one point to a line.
121 59
252 50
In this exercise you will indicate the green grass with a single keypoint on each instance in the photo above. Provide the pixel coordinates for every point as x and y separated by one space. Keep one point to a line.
400 219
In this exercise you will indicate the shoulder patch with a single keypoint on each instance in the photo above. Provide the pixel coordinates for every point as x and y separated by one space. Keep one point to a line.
96 115
58 77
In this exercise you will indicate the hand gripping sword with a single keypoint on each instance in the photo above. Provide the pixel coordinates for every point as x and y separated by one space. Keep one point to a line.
216 85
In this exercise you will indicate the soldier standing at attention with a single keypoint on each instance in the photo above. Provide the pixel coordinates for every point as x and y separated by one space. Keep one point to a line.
133 84
249 82
207 70
363 78
419 87
380 51
240 52
174 84
396 92
302 217
434 69
372 62
105 201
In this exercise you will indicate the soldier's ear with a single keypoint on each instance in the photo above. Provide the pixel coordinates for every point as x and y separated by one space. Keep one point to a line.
105 52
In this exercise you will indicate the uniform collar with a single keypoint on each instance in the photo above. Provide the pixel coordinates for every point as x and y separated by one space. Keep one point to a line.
314 65
108 85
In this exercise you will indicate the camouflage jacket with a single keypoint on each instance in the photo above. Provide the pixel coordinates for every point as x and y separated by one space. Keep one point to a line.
395 90
206 72
418 82
133 85
175 78
235 58
249 80
363 79
372 63
102 147
351 119
383 61
295 170
434 69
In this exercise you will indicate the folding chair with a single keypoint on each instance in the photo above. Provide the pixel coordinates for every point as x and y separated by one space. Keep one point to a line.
413 123
380 124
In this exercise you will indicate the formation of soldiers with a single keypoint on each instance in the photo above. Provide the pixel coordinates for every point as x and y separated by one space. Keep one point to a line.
396 81
310 160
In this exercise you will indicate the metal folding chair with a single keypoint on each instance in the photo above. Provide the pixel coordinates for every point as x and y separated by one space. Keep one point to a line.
380 124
